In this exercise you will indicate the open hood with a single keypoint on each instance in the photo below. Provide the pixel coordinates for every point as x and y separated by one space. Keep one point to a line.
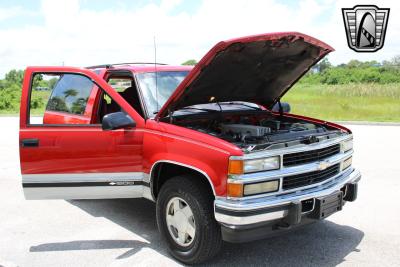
258 69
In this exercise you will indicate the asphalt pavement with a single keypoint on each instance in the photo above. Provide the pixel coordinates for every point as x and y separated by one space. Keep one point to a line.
124 232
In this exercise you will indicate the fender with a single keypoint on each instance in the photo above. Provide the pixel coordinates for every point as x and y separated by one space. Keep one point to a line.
205 154
214 170
179 164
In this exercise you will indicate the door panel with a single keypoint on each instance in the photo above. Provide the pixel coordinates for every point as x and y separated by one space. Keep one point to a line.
72 161
88 149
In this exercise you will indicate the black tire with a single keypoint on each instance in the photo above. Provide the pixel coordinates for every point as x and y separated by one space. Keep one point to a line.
207 241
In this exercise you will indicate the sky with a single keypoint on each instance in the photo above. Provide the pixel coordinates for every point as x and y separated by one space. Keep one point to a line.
89 32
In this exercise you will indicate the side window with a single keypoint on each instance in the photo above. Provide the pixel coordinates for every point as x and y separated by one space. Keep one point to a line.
120 84
70 94
106 106
126 88
59 98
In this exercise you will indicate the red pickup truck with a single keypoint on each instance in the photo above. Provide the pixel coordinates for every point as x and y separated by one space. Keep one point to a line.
212 145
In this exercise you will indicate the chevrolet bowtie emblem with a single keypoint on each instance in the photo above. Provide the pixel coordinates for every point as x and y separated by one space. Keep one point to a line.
323 165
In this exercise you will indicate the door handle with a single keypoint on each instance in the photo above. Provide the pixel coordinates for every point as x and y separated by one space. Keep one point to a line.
31 142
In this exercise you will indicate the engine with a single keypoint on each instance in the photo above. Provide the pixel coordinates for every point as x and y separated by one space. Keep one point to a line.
242 131
253 133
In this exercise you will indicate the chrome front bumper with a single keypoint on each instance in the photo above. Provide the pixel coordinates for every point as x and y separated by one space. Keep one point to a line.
236 213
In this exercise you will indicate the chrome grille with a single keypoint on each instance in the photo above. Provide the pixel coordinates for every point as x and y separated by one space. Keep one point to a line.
309 178
310 156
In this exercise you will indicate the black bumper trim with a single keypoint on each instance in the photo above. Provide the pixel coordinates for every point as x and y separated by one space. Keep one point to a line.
261 231
244 213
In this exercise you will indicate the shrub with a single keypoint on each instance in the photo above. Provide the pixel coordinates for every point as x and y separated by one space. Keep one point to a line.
345 75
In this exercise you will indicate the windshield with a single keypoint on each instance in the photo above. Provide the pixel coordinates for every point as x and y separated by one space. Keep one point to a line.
167 82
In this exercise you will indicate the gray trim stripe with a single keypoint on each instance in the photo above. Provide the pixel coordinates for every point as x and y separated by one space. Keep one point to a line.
80 184
84 192
82 177
85 185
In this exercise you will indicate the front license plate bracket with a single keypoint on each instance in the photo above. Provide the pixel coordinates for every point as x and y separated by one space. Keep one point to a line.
327 205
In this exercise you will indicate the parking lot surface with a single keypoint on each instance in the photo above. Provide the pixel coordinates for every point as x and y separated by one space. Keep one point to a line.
124 232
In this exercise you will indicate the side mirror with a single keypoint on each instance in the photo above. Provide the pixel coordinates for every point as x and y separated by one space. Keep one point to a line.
117 120
285 107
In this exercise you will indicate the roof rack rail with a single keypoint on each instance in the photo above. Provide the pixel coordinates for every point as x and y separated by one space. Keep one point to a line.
107 66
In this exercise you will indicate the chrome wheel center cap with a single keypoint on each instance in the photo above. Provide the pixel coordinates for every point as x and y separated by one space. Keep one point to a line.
180 221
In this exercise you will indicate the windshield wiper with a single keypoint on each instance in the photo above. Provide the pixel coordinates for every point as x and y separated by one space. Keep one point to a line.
199 109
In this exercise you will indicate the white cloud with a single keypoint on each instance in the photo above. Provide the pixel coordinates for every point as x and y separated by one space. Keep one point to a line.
60 13
168 5
6 13
82 37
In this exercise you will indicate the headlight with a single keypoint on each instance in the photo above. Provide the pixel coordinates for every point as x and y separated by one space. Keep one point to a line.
240 190
346 163
259 188
347 145
256 165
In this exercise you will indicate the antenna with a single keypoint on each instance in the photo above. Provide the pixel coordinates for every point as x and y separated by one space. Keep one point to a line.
155 69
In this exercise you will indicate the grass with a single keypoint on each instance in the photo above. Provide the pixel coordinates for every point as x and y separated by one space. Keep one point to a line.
349 102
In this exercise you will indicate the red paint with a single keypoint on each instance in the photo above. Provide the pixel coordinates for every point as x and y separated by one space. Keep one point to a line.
55 117
86 148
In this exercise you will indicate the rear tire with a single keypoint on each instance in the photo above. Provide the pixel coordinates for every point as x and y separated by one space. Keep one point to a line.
182 199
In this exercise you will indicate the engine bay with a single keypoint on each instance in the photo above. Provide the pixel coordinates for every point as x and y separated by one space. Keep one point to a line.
259 131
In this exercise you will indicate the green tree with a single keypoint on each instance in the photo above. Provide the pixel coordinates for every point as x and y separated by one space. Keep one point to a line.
37 80
323 65
15 76
78 106
70 92
371 63
52 82
395 61
354 63
386 63
190 62
57 103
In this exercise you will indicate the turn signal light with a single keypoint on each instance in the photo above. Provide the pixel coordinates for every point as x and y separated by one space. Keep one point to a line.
235 167
234 190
